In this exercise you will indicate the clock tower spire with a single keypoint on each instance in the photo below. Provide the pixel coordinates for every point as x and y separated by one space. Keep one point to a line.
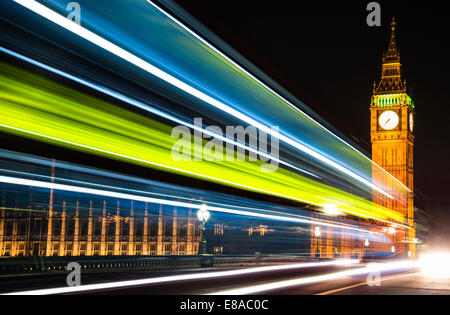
392 137
391 74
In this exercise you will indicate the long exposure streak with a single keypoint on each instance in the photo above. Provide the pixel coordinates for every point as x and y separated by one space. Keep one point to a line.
120 52
148 108
195 276
99 192
270 89
402 265
85 123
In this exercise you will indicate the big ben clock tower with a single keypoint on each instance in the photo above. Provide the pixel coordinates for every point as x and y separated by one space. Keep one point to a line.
392 136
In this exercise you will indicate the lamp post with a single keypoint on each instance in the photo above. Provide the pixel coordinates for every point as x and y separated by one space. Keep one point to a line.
317 234
203 216
366 244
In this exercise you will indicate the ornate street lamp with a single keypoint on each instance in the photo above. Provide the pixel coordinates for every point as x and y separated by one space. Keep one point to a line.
203 216
317 234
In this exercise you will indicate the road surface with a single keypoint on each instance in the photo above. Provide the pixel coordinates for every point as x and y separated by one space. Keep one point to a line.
303 279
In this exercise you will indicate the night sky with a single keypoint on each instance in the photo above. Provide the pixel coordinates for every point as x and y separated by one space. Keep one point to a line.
325 53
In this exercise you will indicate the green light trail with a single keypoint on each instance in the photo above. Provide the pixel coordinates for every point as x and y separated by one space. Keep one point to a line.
37 108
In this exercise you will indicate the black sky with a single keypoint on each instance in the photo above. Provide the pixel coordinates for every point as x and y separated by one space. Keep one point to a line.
324 52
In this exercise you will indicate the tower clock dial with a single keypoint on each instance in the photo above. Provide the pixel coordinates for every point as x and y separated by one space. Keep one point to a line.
388 120
411 122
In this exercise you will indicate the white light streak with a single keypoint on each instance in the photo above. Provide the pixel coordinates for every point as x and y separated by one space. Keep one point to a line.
113 194
271 90
185 277
220 206
407 264
150 109
181 170
122 53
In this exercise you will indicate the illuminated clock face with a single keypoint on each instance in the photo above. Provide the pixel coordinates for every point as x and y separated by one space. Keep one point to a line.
388 120
411 122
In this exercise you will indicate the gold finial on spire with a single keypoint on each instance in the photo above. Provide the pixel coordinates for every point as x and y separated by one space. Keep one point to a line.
393 24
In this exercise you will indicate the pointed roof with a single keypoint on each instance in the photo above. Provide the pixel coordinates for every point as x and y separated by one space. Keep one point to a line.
392 53
391 76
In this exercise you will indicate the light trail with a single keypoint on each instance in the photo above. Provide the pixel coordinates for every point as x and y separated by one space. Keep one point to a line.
374 282
211 204
64 117
185 277
271 90
154 111
148 108
406 264
92 171
142 64
113 194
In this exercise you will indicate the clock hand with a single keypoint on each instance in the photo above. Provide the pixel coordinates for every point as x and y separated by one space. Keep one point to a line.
386 122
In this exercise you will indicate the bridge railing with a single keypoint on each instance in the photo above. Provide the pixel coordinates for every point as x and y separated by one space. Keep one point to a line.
39 264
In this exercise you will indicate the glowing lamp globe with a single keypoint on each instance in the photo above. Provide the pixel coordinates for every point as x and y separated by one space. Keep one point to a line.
203 213
331 210
317 231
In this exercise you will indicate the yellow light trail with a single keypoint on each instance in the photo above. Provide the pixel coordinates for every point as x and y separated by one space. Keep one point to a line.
40 109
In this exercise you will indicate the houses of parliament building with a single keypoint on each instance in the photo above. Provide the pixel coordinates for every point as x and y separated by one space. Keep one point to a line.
82 229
